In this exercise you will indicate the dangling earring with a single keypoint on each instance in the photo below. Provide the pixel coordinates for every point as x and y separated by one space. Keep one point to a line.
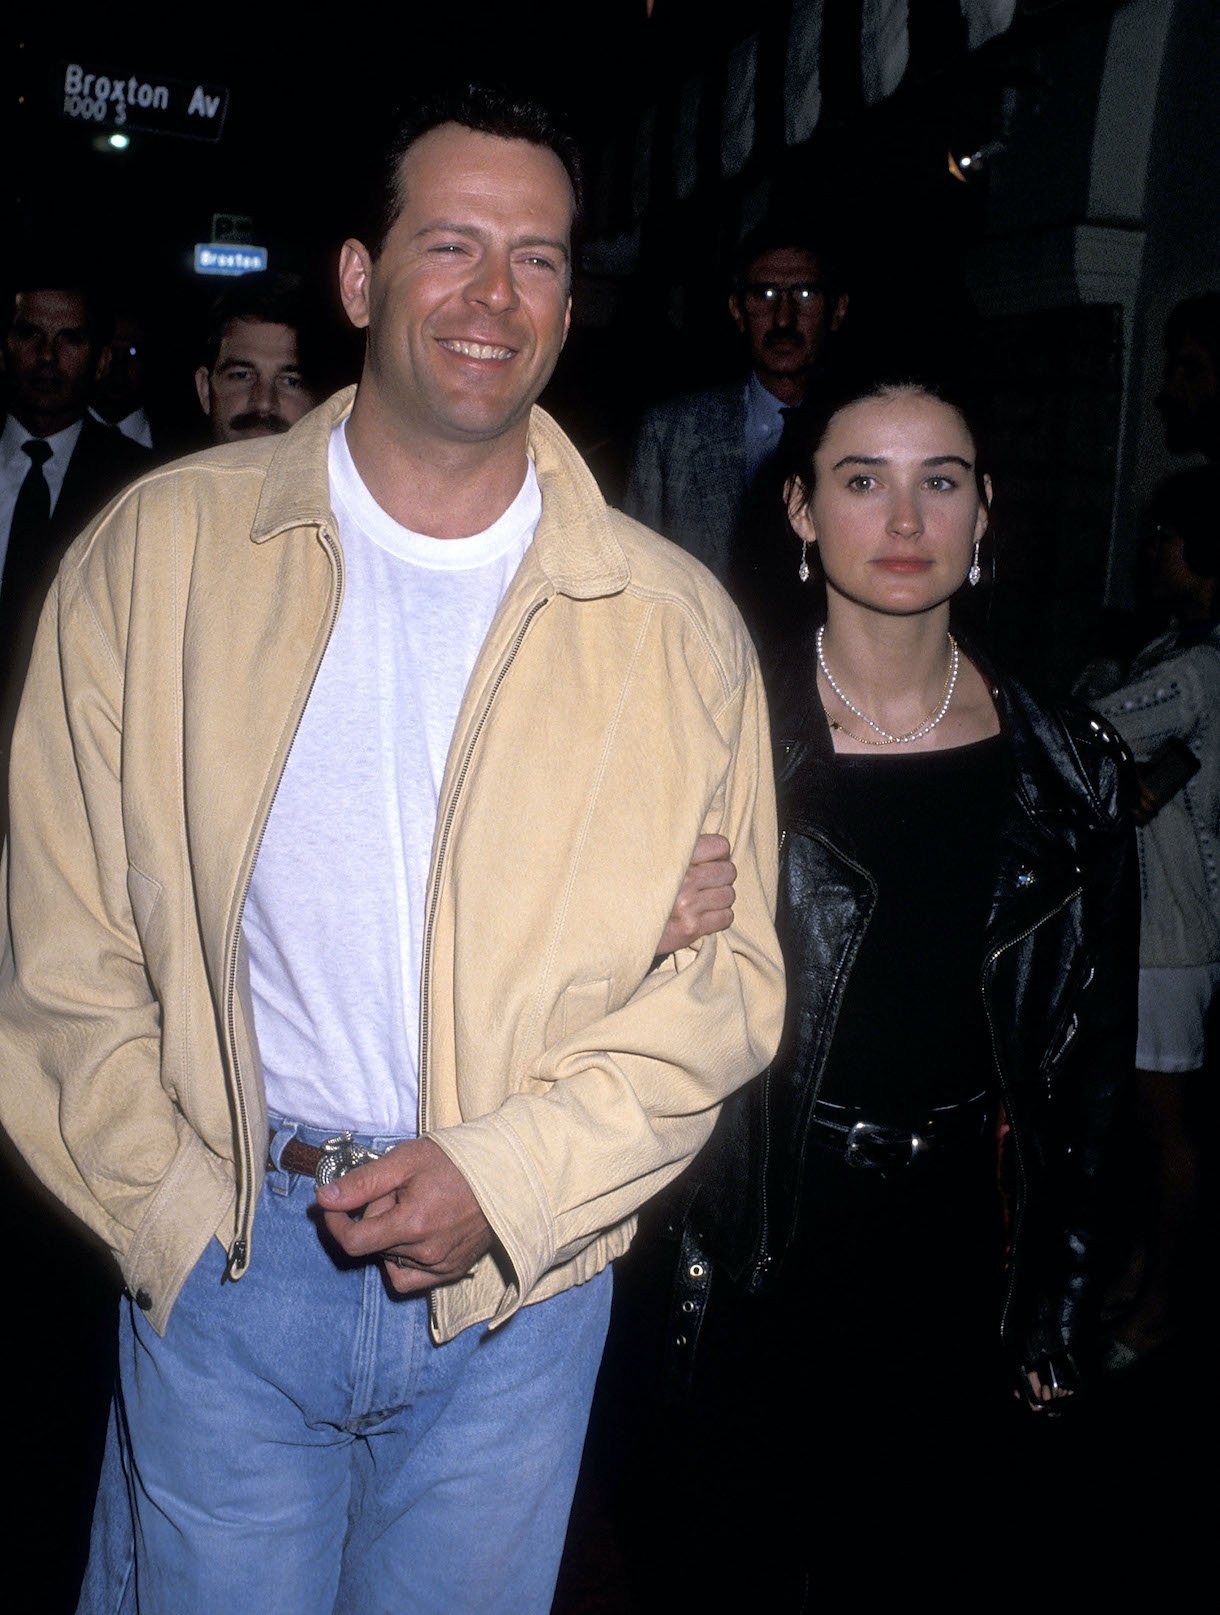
802 571
976 571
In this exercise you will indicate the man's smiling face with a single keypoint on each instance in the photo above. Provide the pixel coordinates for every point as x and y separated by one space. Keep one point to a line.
467 305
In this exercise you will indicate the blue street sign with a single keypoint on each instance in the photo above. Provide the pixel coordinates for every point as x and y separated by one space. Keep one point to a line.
219 258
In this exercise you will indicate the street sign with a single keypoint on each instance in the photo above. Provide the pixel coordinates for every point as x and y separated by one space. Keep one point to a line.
115 98
234 229
215 258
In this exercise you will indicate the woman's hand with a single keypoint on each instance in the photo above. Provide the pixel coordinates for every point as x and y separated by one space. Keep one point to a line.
1045 1386
705 903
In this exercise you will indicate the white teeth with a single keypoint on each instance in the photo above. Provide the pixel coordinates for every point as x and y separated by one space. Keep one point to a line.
477 350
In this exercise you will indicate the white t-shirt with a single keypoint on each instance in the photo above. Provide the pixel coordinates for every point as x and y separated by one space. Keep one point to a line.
334 918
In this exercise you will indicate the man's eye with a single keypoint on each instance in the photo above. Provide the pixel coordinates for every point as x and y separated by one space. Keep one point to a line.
535 260
291 382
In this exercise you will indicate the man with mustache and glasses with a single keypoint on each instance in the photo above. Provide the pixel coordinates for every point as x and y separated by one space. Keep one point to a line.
255 380
364 764
697 456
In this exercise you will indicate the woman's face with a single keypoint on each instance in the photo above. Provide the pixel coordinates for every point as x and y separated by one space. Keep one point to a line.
895 511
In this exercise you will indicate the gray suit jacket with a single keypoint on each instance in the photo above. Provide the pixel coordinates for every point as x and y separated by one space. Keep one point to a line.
687 477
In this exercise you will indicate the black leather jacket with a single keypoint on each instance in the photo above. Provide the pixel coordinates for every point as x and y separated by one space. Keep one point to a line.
1058 978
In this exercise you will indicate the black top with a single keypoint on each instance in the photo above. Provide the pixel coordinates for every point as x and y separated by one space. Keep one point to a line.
912 1033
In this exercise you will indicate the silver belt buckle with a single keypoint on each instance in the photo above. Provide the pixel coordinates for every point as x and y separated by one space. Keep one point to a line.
858 1152
868 1146
339 1155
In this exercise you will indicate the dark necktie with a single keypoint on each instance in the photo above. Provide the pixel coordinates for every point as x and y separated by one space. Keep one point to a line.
31 515
24 563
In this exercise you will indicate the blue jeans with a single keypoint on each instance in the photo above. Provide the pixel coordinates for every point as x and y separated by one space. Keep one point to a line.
297 1443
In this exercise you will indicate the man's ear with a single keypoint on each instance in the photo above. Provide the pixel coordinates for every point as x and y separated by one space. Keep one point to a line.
355 269
739 319
840 311
203 386
102 363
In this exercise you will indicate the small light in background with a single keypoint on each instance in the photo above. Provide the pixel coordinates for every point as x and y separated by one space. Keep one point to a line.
118 142
970 165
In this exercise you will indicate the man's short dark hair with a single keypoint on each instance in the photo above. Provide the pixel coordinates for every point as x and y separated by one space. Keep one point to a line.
1197 317
488 110
272 298
776 233
58 274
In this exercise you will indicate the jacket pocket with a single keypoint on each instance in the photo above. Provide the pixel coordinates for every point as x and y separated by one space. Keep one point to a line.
1065 1031
144 894
578 1006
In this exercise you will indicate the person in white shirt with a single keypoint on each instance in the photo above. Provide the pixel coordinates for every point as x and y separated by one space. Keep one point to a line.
398 715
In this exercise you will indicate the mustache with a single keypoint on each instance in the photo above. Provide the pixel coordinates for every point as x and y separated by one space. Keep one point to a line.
780 334
253 419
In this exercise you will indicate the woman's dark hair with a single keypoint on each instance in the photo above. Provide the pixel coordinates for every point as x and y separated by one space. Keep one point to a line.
1187 503
811 422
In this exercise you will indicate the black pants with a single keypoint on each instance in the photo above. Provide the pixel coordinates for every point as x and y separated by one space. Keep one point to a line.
840 1426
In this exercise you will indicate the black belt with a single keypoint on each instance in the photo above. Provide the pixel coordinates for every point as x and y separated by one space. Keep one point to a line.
848 1133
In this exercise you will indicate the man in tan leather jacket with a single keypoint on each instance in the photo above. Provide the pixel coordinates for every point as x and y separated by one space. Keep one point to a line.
191 835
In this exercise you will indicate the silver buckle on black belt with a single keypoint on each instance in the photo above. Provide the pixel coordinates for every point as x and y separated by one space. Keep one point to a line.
870 1145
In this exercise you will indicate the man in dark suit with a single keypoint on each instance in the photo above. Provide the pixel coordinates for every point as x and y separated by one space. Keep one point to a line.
58 466
697 456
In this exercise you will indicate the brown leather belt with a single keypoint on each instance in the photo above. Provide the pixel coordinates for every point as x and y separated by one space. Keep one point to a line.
297 1157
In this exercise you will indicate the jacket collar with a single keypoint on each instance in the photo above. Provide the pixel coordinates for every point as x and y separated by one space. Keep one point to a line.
1041 764
574 545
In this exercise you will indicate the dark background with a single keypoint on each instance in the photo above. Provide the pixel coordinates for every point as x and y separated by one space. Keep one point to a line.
1095 210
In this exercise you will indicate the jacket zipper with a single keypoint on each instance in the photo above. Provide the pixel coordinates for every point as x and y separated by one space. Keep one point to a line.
442 844
1014 1131
762 1261
240 1250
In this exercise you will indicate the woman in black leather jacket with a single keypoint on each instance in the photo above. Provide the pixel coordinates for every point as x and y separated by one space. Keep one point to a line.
896 1224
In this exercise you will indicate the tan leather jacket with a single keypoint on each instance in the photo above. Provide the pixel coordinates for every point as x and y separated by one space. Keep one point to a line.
614 712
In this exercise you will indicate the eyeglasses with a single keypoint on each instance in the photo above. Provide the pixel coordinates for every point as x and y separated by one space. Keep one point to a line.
769 294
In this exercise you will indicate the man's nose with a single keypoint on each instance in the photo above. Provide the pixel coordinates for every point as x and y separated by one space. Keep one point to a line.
492 283
262 393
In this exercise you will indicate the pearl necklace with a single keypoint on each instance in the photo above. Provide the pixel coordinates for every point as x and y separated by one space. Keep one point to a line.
887 739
